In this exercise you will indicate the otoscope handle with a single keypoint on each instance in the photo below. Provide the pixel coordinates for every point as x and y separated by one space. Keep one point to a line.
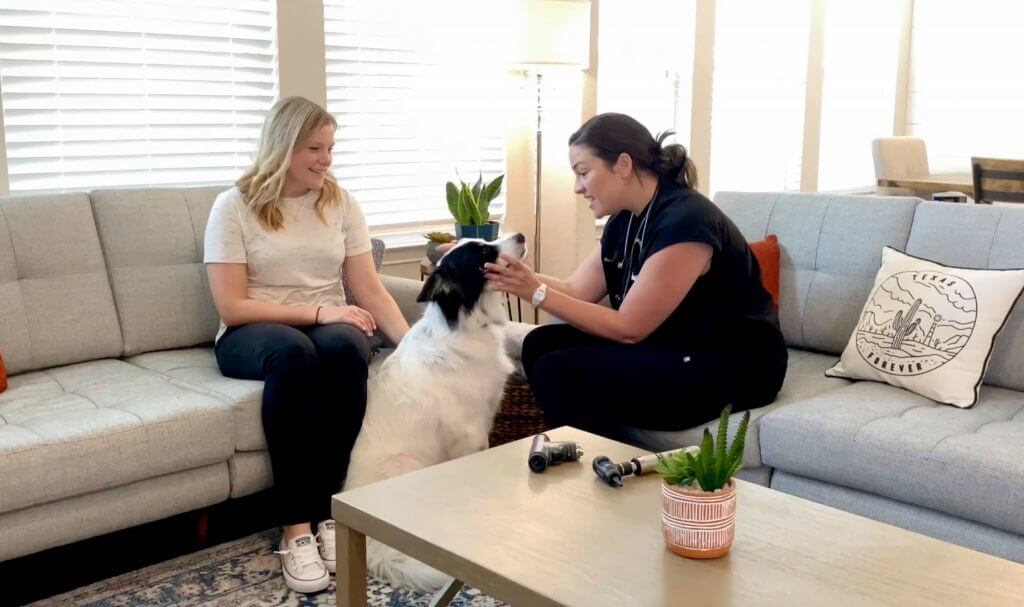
613 473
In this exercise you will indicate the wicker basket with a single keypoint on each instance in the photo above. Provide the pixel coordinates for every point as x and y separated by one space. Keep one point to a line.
519 416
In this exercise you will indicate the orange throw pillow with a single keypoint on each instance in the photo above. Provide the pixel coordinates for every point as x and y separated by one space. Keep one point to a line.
3 375
767 253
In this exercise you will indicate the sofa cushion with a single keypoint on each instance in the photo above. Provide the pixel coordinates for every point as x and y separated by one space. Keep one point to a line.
73 430
250 471
831 250
896 444
805 376
196 369
54 292
946 527
930 328
985 236
43 526
153 240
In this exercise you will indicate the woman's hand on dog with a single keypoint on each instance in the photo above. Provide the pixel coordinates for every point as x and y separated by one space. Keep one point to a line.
516 278
352 315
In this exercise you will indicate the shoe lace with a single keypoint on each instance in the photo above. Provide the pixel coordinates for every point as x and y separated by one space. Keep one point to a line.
326 541
302 556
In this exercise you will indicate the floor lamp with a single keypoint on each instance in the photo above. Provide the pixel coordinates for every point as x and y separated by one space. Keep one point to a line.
554 33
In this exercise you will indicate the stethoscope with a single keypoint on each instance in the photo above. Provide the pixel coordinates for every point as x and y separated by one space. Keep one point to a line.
628 255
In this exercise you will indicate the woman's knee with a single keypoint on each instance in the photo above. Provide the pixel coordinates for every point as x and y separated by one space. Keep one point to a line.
342 344
554 374
539 342
293 352
550 384
258 350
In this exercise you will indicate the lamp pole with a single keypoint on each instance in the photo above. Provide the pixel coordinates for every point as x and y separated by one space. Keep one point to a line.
536 199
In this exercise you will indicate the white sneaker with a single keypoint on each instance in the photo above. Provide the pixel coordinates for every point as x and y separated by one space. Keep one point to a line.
325 538
304 570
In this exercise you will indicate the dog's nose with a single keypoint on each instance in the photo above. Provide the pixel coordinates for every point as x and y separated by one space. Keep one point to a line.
518 238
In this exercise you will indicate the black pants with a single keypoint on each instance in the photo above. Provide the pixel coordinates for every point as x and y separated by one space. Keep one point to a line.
599 385
314 398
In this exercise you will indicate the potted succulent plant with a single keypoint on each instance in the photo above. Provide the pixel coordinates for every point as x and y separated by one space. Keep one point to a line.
436 242
698 495
469 206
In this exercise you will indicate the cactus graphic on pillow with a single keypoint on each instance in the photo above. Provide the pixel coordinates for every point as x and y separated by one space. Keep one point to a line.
905 325
916 321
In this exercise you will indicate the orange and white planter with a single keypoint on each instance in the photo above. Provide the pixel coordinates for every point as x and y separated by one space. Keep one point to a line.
698 524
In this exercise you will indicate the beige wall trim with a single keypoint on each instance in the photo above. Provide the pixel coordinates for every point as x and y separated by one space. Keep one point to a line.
521 160
301 54
703 79
562 215
899 119
5 183
590 74
585 219
812 98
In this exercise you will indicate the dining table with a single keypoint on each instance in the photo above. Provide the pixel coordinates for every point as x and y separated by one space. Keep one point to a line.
932 183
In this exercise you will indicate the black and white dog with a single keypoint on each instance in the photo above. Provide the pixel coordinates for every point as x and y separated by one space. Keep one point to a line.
435 398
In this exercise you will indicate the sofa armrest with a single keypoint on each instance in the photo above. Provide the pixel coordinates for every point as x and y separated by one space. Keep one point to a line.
404 291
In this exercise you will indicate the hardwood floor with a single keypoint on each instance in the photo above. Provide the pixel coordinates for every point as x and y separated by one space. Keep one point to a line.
68 567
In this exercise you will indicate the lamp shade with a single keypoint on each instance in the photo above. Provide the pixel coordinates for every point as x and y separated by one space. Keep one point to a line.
554 32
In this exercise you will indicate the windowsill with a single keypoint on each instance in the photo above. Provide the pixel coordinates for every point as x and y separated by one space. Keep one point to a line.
399 242
407 237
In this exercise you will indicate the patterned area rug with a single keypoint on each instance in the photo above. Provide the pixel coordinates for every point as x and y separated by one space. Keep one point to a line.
243 573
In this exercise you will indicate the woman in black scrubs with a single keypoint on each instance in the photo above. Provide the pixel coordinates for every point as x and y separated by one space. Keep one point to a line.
690 327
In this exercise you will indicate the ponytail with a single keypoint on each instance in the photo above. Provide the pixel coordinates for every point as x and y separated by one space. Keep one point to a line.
673 162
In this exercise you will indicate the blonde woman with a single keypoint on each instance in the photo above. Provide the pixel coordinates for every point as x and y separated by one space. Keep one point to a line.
277 245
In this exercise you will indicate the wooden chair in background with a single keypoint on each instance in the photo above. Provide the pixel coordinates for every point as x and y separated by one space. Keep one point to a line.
899 157
998 180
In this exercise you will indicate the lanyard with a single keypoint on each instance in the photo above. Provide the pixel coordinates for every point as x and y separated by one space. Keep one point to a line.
636 248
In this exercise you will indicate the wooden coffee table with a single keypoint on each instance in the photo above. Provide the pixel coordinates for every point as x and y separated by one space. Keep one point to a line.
565 538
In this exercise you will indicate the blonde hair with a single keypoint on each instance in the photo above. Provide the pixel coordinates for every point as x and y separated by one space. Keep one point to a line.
291 122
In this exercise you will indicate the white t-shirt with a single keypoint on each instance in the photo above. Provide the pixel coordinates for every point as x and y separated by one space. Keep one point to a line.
300 264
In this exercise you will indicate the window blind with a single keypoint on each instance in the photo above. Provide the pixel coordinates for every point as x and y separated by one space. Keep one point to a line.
411 113
133 93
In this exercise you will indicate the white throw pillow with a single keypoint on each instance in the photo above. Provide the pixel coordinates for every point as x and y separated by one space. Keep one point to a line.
930 328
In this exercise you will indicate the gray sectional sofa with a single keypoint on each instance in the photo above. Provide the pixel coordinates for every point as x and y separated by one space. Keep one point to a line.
116 413
866 447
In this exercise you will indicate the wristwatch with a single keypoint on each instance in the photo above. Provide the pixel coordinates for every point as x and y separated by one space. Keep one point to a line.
539 295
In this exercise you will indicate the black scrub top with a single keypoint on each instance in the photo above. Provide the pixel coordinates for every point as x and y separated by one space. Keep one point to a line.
728 309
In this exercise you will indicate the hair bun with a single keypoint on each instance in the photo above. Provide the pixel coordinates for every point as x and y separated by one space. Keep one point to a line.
670 160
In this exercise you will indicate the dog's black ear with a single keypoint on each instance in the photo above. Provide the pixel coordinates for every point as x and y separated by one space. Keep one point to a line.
427 292
446 293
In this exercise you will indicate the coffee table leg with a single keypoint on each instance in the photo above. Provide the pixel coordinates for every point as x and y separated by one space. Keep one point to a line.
446 594
350 547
